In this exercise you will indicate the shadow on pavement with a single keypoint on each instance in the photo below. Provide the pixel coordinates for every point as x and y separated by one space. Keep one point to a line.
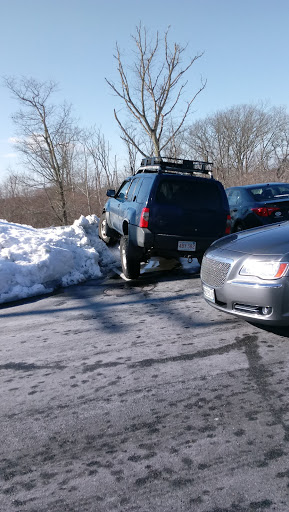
282 331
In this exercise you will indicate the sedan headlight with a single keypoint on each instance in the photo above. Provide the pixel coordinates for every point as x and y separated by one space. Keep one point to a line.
264 269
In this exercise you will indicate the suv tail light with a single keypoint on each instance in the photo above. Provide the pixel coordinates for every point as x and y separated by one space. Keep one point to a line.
144 218
264 211
228 225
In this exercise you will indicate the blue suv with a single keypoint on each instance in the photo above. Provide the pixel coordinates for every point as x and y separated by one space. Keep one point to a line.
170 208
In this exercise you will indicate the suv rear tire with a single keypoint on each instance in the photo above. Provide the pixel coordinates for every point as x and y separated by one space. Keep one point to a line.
129 259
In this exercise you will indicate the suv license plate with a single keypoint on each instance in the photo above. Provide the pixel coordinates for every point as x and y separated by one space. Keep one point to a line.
186 246
209 293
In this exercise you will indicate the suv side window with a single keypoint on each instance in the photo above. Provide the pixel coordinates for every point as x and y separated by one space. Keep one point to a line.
133 189
144 190
122 192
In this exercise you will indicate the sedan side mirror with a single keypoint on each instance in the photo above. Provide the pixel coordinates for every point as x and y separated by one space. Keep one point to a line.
110 192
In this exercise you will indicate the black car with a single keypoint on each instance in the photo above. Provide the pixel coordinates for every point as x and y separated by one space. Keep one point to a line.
170 208
257 205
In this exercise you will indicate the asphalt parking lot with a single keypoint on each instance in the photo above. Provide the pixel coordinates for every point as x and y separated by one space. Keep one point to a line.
123 396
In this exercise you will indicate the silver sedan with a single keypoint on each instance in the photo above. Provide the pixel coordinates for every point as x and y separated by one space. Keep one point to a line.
247 274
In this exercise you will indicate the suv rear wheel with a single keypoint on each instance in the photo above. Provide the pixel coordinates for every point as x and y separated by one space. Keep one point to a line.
129 259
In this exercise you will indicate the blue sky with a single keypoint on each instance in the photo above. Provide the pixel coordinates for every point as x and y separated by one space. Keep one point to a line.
245 45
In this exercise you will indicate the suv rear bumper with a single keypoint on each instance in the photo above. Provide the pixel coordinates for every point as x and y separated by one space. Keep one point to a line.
167 245
141 237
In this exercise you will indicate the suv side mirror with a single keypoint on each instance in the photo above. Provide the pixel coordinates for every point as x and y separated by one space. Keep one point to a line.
110 192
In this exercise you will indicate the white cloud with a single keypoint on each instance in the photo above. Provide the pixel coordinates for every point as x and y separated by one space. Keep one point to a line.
12 140
10 155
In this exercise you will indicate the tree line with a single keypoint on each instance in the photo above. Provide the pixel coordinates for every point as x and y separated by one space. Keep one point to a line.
246 143
67 169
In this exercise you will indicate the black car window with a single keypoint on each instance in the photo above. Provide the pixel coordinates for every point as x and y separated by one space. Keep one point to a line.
257 193
192 194
281 191
267 192
123 191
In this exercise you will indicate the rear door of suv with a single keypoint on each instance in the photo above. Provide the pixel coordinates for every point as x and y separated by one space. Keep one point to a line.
191 207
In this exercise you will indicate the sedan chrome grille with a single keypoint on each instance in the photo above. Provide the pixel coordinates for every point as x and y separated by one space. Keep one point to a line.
214 271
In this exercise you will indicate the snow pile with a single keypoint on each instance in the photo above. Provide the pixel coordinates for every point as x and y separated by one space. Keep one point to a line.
37 261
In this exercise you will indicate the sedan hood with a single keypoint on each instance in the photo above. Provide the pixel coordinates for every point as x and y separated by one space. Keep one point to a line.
269 240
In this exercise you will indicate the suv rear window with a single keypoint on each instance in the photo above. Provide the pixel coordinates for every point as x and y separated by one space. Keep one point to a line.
189 193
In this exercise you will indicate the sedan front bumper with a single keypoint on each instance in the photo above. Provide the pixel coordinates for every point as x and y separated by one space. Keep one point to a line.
254 299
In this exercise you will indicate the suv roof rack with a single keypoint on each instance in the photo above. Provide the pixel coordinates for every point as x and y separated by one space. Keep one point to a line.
168 164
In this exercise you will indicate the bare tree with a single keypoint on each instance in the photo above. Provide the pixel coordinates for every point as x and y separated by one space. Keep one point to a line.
245 142
280 144
152 91
22 204
132 152
101 166
47 136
